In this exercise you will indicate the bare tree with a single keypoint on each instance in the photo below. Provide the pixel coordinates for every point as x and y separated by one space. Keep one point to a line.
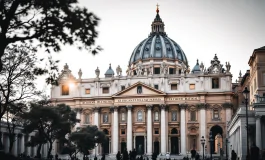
17 78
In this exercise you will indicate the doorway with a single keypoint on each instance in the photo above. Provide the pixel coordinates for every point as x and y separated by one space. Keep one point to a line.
174 145
217 135
140 145
123 146
105 144
156 147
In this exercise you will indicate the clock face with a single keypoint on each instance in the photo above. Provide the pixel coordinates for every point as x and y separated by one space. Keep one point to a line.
215 70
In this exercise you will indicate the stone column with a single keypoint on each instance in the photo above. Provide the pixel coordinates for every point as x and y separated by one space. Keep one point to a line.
163 129
202 122
129 128
78 116
149 130
29 148
96 123
258 132
115 126
183 128
22 147
15 145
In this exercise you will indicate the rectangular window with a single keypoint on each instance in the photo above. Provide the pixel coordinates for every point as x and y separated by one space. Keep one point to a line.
193 115
105 90
156 70
192 86
215 114
65 90
88 91
174 86
123 131
122 87
156 86
156 131
172 70
87 119
179 71
215 83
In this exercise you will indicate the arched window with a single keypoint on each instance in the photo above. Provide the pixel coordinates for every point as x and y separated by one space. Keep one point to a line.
87 118
139 116
123 117
156 116
174 116
105 118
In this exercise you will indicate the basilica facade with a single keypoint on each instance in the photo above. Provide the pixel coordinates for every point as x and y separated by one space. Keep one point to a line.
161 105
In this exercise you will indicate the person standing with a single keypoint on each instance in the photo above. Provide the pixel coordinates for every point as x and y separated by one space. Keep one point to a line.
234 155
254 152
118 156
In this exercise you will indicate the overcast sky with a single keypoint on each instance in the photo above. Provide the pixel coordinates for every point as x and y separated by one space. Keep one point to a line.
230 29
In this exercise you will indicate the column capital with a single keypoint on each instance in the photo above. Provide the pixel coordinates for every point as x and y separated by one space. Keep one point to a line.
129 107
183 106
78 109
149 106
202 105
163 106
227 105
257 116
96 109
114 108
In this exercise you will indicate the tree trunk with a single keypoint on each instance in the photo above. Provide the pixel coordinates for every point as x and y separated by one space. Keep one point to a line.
50 149
38 151
11 143
2 50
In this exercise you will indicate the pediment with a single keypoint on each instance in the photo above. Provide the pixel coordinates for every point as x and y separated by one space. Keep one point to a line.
134 90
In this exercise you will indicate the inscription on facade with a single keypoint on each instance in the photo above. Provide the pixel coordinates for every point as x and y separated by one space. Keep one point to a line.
183 99
97 102
139 100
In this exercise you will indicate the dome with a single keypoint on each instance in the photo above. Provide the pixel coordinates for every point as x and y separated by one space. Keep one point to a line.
158 45
109 72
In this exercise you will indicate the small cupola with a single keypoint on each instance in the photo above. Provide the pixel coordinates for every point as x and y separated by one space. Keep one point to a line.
109 72
196 68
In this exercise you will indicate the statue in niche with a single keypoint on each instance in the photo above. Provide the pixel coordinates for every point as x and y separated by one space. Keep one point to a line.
151 70
118 70
105 118
174 116
139 70
156 116
145 71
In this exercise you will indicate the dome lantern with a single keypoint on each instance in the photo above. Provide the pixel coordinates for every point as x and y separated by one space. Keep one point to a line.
158 24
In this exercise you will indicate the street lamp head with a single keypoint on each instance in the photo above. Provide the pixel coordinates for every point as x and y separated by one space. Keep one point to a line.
246 92
203 140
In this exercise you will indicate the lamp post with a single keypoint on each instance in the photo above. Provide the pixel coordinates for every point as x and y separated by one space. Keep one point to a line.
226 152
211 141
203 142
245 93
